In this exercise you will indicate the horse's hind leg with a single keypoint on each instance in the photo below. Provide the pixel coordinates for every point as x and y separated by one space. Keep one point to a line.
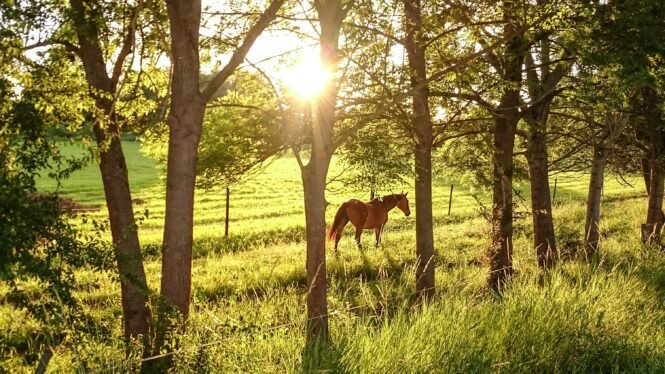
359 231
378 231
338 235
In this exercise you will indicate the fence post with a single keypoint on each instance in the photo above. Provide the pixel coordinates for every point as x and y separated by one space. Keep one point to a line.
450 199
226 218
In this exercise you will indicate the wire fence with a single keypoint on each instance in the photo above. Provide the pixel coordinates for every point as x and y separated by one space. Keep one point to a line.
286 325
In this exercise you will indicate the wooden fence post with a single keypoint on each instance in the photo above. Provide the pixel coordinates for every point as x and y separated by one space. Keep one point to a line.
450 199
226 218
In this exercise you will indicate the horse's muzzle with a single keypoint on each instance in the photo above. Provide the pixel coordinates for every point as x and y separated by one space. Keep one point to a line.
407 214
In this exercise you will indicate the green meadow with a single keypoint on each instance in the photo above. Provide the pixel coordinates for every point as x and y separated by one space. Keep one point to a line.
248 289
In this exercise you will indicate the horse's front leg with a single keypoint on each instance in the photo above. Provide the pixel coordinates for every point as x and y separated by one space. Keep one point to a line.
359 231
377 232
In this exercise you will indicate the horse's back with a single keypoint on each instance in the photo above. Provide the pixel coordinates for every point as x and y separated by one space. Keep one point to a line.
366 215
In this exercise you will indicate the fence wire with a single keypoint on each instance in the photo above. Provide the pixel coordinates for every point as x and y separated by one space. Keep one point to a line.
286 325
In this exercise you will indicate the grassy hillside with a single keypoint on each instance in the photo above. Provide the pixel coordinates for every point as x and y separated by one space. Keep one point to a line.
248 290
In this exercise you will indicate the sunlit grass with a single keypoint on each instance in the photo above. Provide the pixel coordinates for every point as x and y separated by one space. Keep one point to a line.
608 316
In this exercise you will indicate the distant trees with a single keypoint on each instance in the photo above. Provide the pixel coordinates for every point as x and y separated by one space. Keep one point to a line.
626 34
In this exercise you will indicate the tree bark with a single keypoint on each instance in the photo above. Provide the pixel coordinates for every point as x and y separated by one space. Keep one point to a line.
185 120
541 203
112 165
596 181
331 14
501 248
133 284
651 231
655 138
422 127
314 184
646 173
506 117
613 128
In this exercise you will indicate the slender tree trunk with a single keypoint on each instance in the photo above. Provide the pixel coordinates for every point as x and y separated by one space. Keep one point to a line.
133 284
614 127
596 181
655 138
184 135
541 203
185 121
314 184
501 247
506 117
654 223
646 173
422 126
331 14
113 168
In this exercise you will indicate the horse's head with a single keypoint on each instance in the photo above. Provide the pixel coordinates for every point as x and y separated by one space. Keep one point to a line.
403 204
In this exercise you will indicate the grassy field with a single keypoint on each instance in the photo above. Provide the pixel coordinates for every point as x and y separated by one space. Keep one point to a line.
248 289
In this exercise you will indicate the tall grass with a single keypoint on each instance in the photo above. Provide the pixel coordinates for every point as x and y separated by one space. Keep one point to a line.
249 290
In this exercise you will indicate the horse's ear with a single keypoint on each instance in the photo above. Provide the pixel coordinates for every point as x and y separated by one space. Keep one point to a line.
406 194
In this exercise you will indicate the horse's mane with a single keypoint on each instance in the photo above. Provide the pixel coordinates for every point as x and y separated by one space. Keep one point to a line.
392 198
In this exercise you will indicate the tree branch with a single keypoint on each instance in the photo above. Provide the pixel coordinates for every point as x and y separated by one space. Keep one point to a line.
239 55
127 44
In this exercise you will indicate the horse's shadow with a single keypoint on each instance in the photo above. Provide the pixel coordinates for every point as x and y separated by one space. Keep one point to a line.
367 270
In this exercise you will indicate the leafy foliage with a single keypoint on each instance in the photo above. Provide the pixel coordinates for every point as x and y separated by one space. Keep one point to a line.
40 250
378 159
241 131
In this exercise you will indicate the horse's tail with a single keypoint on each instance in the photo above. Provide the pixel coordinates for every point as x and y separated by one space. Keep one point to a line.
338 223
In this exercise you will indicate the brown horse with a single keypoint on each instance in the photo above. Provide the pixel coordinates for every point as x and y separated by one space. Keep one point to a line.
371 215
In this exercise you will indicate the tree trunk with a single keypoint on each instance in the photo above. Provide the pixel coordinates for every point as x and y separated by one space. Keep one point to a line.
501 247
113 168
184 134
654 223
185 121
331 14
314 184
422 127
646 173
541 203
506 117
655 138
133 284
613 128
596 181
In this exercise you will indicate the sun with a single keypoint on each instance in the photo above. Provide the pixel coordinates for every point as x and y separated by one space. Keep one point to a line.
307 78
